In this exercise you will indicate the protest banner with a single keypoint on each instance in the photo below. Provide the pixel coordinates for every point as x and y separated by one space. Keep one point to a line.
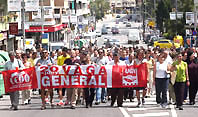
15 80
84 76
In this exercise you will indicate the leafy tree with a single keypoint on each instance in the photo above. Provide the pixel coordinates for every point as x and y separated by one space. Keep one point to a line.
99 7
162 16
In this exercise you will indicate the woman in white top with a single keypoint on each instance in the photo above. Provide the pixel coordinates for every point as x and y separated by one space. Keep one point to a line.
160 80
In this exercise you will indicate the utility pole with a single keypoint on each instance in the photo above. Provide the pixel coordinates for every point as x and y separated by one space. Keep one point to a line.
42 20
23 22
143 8
176 17
195 16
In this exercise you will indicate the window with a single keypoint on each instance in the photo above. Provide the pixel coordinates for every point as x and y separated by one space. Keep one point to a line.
56 11
163 41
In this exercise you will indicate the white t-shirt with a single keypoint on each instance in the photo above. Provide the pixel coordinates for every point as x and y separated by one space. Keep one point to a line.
119 63
161 69
127 62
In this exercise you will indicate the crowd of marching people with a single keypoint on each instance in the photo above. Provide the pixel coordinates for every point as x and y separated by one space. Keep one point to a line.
169 70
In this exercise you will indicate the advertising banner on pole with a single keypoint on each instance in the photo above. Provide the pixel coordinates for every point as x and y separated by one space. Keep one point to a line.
31 5
189 17
13 28
14 5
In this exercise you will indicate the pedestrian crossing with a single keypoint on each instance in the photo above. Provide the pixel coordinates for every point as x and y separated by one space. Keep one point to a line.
149 109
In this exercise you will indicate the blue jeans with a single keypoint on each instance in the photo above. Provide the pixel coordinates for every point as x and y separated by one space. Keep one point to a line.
101 94
98 94
161 86
104 94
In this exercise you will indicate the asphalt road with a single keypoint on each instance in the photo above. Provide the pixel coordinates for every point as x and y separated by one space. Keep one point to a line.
149 109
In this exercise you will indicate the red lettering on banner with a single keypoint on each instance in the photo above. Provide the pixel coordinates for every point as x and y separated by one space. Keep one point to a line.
102 70
68 69
90 70
78 70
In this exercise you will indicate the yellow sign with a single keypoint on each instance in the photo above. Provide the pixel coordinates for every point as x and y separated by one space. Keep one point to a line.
44 41
1 36
151 23
27 42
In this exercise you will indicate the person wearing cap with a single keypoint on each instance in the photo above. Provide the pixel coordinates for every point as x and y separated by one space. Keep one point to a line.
116 93
60 62
14 64
45 60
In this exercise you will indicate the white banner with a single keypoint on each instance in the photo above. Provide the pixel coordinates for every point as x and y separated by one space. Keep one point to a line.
48 12
36 14
14 5
65 19
73 19
189 17
31 5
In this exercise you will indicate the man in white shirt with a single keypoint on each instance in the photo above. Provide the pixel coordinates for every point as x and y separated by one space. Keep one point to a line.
14 64
117 93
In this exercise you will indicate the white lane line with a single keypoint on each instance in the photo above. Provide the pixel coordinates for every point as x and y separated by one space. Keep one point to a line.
142 109
151 114
124 112
173 111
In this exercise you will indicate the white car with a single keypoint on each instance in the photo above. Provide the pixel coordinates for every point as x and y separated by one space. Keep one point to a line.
98 33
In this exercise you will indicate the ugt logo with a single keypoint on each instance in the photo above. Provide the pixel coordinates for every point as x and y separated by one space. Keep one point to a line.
129 76
19 78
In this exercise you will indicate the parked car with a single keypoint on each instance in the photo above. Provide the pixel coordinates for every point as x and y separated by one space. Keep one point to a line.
112 42
98 33
118 16
104 30
165 44
125 21
128 24
115 30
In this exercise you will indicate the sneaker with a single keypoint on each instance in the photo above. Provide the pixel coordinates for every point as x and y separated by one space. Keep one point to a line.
164 106
104 101
73 107
97 103
47 101
60 103
138 105
15 108
143 101
180 108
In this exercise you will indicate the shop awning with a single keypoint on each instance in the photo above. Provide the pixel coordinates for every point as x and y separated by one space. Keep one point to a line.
53 28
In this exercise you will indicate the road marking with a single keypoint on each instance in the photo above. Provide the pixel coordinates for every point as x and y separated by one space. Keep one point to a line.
173 111
151 114
141 109
124 112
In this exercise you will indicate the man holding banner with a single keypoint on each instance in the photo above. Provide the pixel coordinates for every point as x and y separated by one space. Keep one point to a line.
117 93
14 64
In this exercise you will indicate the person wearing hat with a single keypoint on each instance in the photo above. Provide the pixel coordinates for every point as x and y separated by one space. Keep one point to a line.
14 64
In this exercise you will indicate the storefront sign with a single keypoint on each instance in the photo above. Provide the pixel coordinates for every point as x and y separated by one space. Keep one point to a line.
46 29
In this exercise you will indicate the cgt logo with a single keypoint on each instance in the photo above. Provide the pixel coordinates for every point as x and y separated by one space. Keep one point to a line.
19 78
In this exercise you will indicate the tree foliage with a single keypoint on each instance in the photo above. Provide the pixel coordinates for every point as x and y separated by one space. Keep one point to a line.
163 19
99 7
